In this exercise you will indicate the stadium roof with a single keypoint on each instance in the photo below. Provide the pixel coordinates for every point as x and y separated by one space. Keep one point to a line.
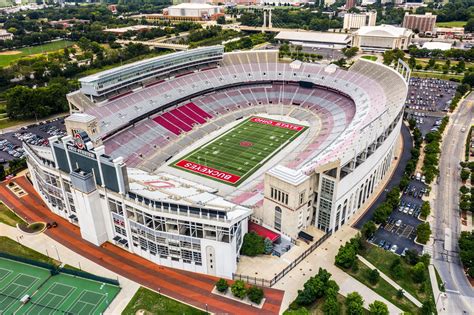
193 6
437 45
317 37
383 31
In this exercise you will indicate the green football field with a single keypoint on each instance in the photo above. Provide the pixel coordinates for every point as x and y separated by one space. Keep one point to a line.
238 153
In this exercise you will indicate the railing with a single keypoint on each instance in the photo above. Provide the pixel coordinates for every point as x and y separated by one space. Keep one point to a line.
284 272
56 269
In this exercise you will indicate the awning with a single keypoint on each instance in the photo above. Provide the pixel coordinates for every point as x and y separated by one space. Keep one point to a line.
263 232
305 236
116 238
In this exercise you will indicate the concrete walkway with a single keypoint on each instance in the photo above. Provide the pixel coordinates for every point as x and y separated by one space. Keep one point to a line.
47 246
391 282
440 297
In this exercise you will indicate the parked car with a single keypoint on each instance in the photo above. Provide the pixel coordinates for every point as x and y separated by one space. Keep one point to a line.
394 248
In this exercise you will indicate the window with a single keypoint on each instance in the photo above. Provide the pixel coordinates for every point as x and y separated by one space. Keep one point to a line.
302 197
277 224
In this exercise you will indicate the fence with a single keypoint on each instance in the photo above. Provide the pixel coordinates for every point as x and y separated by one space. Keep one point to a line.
56 269
281 274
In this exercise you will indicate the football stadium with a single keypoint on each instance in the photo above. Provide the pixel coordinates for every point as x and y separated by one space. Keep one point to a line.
172 157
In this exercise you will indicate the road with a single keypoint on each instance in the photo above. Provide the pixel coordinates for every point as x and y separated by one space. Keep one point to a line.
460 295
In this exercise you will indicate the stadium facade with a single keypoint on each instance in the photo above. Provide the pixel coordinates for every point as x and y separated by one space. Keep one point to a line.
117 173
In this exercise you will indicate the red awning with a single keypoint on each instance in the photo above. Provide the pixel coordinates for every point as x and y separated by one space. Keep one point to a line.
263 232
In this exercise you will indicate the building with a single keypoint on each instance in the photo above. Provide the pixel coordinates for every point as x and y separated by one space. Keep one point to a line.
450 32
423 23
354 21
315 39
437 46
133 28
64 24
350 4
368 2
381 38
122 175
4 35
193 12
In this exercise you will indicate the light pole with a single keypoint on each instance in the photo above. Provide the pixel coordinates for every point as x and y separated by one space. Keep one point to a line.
57 252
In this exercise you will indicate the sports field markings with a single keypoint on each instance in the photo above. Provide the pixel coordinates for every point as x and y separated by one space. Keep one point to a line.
15 290
4 273
87 302
51 300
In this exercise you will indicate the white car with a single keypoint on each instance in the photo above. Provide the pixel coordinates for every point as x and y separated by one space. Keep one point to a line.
410 212
406 210
394 248
398 223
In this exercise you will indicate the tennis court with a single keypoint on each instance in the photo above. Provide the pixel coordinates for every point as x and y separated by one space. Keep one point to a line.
16 280
58 294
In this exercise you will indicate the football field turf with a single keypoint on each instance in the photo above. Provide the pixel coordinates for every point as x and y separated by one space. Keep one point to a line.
238 153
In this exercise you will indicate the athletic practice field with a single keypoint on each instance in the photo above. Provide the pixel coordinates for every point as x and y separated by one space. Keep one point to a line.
50 294
238 153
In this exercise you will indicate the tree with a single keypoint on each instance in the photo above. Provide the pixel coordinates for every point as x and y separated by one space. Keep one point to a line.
396 268
368 229
465 174
252 245
350 52
316 287
466 250
354 304
423 232
373 276
2 173
425 209
331 306
268 246
378 308
428 307
222 285
418 272
221 19
346 256
412 62
469 27
238 289
255 294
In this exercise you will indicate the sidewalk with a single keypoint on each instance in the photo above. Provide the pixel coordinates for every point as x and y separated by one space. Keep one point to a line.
440 297
391 282
47 246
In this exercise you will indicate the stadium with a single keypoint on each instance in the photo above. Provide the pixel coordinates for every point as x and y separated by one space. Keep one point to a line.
174 157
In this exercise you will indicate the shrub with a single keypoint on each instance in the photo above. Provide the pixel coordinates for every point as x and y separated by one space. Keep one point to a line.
425 209
253 245
465 174
423 232
255 294
374 276
238 289
378 308
418 272
354 304
222 285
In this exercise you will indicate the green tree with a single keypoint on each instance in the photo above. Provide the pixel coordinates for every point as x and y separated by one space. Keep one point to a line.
368 229
466 249
346 256
221 19
425 209
469 27
2 172
268 246
423 232
354 304
238 289
350 52
222 285
428 307
331 305
412 62
378 308
373 276
252 245
255 294
465 174
418 272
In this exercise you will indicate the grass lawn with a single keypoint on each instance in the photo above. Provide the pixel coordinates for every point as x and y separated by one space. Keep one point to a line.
439 280
238 153
436 75
451 24
7 245
154 303
383 259
373 58
383 288
5 60
8 217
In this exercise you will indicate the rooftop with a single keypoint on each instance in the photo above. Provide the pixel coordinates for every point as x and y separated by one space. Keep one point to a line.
437 45
383 31
193 6
314 37
291 176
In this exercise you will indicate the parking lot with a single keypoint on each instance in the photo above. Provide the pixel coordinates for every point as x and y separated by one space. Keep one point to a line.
428 101
400 231
36 134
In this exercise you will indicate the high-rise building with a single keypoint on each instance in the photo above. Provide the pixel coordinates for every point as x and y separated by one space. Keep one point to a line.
354 21
421 22
350 4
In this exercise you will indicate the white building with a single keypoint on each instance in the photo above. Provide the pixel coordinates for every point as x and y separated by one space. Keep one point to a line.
4 35
437 45
202 11
382 37
315 39
114 175
354 21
